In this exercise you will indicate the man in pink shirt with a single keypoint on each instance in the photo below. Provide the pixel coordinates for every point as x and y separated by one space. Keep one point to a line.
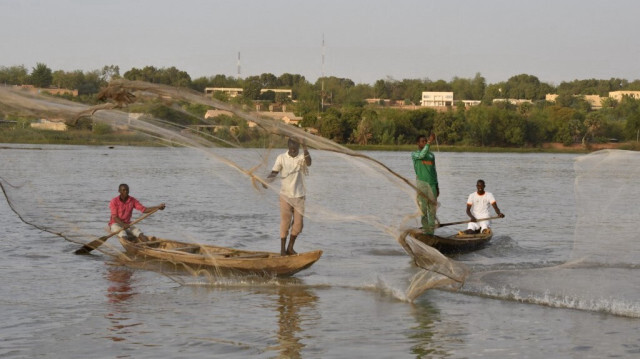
121 211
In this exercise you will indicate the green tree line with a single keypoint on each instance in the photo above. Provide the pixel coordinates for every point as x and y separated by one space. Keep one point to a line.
336 107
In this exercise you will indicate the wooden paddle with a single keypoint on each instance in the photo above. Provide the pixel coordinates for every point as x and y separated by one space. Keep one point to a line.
87 248
468 221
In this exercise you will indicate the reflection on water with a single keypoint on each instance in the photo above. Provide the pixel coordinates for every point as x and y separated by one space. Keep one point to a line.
291 304
119 289
425 333
119 292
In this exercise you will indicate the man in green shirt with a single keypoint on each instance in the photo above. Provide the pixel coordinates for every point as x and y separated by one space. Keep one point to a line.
424 163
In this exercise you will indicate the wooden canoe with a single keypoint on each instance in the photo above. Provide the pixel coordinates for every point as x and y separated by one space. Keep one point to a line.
457 243
200 256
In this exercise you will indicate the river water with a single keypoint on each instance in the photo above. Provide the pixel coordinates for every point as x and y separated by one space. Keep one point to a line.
543 288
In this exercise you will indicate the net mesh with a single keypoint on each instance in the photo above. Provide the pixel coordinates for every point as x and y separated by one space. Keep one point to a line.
356 174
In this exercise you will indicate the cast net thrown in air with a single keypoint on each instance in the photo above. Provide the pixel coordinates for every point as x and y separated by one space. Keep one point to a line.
210 174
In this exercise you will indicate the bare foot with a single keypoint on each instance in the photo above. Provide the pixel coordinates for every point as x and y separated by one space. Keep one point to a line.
291 252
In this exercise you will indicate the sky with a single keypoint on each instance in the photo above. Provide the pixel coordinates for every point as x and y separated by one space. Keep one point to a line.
364 40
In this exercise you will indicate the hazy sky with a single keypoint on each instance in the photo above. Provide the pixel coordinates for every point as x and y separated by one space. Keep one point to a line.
555 40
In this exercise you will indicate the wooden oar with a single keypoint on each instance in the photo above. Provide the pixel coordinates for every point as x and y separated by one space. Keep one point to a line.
87 248
468 221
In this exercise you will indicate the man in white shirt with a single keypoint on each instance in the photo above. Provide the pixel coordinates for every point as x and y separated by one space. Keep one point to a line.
478 205
292 167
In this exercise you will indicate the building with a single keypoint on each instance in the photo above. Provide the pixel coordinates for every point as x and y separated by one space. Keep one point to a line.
50 90
231 91
436 99
513 101
618 95
288 92
470 103
216 113
236 91
595 101
286 117
55 125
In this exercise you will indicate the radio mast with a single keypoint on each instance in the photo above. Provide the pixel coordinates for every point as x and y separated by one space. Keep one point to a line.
322 77
238 64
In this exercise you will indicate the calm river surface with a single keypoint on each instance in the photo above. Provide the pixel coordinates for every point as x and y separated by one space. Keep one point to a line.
350 304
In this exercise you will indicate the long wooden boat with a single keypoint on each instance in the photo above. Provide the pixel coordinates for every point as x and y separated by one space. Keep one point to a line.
457 243
200 256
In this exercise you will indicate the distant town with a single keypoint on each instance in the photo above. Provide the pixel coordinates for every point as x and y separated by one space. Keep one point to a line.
519 112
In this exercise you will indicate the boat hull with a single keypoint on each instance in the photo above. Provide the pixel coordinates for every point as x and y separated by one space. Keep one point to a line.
458 243
221 259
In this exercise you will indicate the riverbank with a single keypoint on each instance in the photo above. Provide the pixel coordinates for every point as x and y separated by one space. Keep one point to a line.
87 137
544 148
78 137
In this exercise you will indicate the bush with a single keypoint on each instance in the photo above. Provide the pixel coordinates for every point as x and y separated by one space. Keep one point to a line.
100 128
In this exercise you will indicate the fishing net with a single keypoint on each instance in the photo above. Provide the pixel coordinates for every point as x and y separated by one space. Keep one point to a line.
344 186
601 270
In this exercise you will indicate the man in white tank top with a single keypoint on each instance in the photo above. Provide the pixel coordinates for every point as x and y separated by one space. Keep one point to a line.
478 205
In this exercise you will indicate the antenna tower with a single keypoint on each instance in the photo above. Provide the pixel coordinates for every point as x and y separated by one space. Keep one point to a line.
322 76
238 64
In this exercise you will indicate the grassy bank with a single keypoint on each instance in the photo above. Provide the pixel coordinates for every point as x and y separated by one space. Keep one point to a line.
545 148
87 137
80 137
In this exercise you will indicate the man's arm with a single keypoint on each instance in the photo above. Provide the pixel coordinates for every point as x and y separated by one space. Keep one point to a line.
114 213
422 154
307 156
161 207
473 218
495 207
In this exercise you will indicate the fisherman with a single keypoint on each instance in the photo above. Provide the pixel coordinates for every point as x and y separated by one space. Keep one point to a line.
478 205
424 164
292 167
121 211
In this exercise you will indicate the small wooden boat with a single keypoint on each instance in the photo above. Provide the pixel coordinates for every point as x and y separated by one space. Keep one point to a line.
200 256
457 243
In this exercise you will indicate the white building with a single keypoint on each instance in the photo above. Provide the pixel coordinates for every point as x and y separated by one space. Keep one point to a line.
235 91
436 99
617 95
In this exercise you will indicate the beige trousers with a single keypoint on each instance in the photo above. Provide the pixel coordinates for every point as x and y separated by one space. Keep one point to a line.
291 208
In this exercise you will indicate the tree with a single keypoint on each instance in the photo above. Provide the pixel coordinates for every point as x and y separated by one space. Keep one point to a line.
62 79
268 96
200 84
91 83
461 88
268 80
110 72
478 85
251 88
14 75
364 131
291 80
41 76
592 124
479 125
380 89
282 98
332 125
